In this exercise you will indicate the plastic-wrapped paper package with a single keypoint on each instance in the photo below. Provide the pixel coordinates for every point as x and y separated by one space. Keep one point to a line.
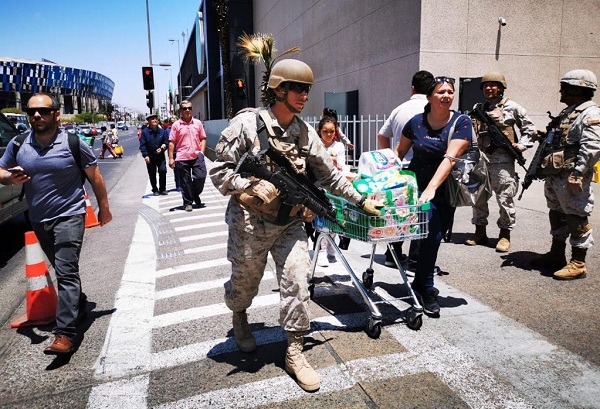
372 162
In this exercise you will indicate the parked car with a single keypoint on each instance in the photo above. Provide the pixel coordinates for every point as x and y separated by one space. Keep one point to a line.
10 205
19 120
122 126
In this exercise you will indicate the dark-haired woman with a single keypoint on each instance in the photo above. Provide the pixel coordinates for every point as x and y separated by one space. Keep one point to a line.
429 135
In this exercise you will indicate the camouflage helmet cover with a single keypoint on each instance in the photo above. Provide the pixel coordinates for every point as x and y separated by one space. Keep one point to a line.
580 78
290 70
493 77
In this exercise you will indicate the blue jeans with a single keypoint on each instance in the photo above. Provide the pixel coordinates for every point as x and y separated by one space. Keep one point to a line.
61 240
441 216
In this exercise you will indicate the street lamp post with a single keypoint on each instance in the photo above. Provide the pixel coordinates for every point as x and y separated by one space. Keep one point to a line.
179 76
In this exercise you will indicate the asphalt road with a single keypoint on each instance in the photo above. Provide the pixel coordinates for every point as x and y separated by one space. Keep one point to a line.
158 334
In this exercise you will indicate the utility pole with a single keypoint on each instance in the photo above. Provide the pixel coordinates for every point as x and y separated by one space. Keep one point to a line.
149 43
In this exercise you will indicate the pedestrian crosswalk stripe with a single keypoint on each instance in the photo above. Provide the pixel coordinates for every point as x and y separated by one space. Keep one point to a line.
203 236
200 226
192 266
197 313
201 286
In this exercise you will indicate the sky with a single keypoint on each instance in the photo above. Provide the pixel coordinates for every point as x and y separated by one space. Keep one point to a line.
106 36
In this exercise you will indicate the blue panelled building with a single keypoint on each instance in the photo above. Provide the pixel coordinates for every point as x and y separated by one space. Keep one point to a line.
77 90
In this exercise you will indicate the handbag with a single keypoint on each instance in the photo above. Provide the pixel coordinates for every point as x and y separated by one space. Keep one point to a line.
118 149
468 182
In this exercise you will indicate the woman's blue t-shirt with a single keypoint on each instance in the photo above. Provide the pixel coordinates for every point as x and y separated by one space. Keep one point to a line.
430 145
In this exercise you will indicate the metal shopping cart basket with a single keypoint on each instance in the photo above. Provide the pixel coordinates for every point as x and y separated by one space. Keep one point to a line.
395 224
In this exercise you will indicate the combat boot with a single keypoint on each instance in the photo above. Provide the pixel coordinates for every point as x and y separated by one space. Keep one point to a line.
553 259
576 267
480 236
503 244
243 334
297 366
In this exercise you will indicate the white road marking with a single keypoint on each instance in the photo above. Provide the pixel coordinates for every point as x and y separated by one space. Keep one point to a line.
201 226
191 314
192 266
127 347
125 393
204 236
204 249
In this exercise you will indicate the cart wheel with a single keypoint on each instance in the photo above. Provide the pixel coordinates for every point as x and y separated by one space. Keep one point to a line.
373 328
367 278
311 290
414 320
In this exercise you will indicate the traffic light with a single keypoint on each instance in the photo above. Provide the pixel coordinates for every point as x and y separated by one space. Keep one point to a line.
148 76
240 86
150 100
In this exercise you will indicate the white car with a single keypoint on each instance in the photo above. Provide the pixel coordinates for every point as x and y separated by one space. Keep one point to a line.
122 126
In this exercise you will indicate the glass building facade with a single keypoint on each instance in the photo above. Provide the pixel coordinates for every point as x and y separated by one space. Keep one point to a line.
78 90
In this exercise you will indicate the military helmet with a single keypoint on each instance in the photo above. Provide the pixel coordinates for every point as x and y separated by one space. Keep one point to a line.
493 77
290 70
580 78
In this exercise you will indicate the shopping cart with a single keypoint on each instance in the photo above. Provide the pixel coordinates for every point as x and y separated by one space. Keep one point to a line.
395 224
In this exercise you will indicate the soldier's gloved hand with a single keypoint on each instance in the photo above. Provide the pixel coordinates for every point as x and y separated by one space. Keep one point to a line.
575 183
373 206
264 190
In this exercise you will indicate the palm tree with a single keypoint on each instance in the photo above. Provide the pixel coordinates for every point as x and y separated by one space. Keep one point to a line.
258 48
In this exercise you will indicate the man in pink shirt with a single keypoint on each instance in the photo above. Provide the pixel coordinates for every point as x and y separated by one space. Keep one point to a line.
188 141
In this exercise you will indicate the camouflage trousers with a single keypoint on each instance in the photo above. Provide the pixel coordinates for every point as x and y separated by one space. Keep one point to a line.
505 186
575 210
252 236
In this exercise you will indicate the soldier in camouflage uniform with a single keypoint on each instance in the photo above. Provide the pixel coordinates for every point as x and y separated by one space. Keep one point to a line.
252 210
508 115
568 188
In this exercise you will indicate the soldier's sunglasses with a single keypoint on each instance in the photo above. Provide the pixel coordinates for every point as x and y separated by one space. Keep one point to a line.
298 87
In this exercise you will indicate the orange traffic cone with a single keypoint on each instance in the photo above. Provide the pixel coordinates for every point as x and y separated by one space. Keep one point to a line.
41 295
90 217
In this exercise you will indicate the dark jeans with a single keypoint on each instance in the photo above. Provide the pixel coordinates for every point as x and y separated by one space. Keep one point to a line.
192 175
176 173
441 217
61 241
157 164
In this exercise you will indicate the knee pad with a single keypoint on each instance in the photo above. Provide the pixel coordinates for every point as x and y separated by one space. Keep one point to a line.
578 226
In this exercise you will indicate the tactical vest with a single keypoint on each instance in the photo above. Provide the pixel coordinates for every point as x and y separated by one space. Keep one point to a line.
295 151
497 116
569 119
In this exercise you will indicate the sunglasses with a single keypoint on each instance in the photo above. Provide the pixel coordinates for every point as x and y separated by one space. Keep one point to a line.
186 108
438 80
298 87
41 111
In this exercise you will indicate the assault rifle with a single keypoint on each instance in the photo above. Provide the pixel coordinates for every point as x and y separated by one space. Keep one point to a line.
497 137
295 188
552 132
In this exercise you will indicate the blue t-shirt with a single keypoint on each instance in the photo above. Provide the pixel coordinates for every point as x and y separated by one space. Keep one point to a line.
55 188
430 145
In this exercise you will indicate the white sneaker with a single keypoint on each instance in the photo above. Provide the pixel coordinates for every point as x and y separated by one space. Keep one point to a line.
322 260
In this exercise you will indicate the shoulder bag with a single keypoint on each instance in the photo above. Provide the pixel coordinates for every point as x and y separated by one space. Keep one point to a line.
468 182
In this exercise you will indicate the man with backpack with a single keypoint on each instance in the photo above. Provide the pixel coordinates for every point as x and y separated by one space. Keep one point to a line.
51 165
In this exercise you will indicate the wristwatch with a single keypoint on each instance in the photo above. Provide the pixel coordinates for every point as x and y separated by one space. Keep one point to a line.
361 202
